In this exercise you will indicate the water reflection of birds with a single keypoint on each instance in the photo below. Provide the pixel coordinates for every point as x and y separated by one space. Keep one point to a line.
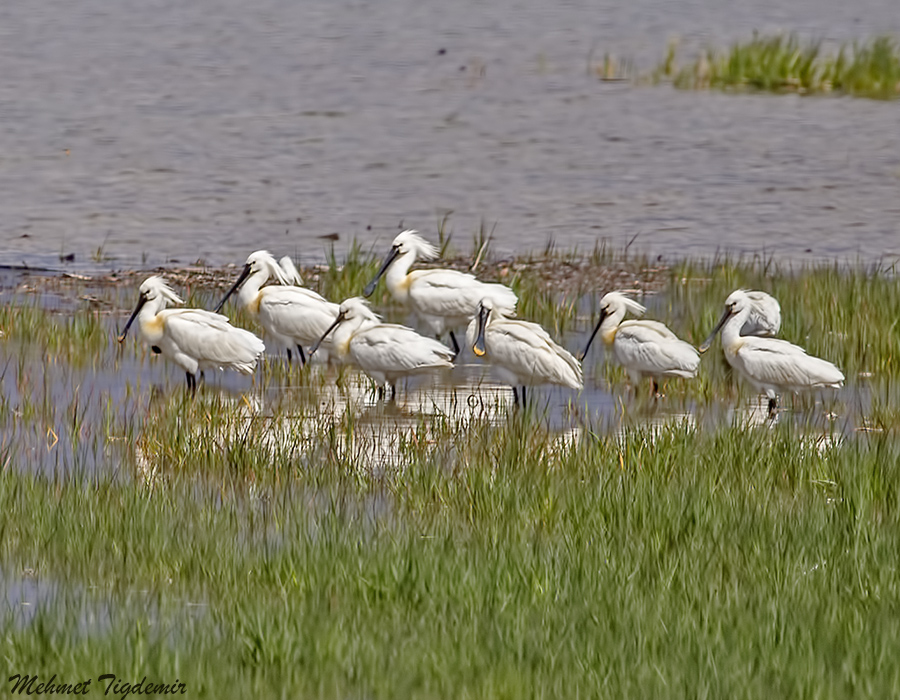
194 339
386 352
642 347
770 365
522 353
292 316
441 299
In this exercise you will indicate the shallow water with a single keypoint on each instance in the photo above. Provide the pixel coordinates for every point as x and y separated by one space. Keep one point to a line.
134 133
87 418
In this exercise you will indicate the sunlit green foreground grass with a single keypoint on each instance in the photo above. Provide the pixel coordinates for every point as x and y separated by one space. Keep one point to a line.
491 560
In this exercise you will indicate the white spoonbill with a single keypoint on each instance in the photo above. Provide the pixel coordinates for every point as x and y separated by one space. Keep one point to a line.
642 347
442 299
385 351
765 314
770 365
522 352
192 338
293 316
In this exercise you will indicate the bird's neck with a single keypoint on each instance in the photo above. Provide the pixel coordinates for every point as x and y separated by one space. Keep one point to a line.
149 320
610 326
248 295
397 277
731 331
343 334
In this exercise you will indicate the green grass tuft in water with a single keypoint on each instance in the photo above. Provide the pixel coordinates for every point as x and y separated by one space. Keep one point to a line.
785 63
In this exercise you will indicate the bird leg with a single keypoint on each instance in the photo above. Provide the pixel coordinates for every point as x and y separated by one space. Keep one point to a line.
772 407
524 400
393 391
380 393
191 384
455 345
302 355
515 397
290 357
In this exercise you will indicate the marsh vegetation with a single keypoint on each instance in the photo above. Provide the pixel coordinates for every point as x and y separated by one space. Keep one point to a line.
785 63
286 535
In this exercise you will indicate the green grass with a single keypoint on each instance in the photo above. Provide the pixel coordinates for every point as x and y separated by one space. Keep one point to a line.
733 564
259 544
784 63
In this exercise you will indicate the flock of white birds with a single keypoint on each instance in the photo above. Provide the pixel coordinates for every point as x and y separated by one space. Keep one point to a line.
522 353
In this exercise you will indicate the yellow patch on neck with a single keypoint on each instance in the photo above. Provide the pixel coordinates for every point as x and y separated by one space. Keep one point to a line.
609 335
152 328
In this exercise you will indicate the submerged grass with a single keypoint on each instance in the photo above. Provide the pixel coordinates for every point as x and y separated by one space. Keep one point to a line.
254 547
784 63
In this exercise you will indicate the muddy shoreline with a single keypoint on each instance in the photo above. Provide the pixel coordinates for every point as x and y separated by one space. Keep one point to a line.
569 276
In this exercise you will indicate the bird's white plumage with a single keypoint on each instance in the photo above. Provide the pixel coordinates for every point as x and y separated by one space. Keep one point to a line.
770 365
523 353
765 314
386 352
441 299
193 339
291 315
648 348
291 273
196 339
643 348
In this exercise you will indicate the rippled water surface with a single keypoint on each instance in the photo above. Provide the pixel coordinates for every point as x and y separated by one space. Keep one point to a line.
154 131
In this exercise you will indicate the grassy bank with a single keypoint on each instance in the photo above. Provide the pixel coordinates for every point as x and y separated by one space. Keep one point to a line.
274 539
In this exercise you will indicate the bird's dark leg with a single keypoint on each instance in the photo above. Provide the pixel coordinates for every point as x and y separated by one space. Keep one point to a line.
655 389
455 345
290 356
773 403
393 391
191 384
515 396
381 393
524 399
302 354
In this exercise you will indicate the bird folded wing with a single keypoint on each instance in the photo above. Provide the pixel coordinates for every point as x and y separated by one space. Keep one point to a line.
393 348
210 338
276 294
790 370
649 331
648 353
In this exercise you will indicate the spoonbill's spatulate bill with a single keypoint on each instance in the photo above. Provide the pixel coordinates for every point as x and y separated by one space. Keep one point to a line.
292 316
772 366
522 353
385 351
194 339
643 348
442 299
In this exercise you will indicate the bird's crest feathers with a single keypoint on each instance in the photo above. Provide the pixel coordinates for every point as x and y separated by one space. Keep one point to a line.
263 259
358 306
411 240
157 286
619 299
